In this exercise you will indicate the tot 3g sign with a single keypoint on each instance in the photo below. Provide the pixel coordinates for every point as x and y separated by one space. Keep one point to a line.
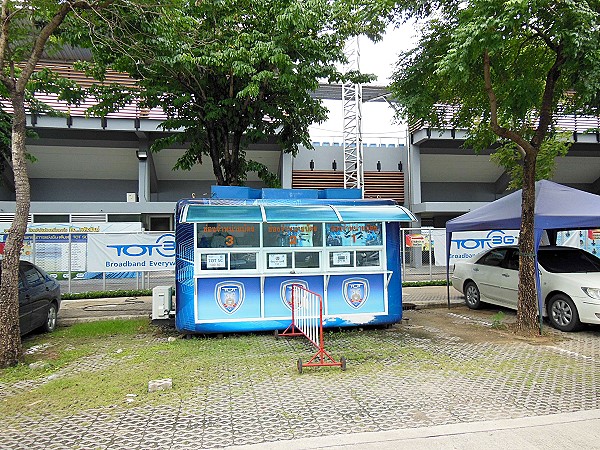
131 252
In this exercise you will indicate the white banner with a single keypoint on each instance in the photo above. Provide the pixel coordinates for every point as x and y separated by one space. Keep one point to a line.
469 243
131 252
95 227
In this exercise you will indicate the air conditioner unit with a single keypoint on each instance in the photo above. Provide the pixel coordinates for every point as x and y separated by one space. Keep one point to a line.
162 303
131 197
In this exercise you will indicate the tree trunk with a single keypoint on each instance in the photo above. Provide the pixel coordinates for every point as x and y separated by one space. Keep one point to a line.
10 335
527 311
215 155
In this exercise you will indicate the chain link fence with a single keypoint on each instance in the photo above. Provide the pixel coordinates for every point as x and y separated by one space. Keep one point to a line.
64 257
418 254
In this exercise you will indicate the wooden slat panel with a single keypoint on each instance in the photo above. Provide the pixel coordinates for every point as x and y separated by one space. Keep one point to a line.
317 179
385 185
388 185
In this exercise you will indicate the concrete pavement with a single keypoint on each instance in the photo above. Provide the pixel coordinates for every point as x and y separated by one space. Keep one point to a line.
578 430
424 384
73 311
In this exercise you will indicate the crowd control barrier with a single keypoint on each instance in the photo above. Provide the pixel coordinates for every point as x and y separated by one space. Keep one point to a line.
307 321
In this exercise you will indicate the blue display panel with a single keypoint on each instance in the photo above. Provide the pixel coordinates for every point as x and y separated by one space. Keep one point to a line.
227 298
184 275
353 234
352 294
278 293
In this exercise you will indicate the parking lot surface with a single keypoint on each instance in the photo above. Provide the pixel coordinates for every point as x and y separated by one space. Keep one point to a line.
440 367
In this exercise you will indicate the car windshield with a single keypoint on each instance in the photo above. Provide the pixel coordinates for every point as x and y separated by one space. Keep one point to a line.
568 261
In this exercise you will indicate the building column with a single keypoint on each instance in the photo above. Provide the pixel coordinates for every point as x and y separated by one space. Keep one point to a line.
414 196
414 175
286 170
144 169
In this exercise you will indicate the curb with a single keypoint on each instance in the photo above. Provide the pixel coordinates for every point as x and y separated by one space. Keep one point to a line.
73 320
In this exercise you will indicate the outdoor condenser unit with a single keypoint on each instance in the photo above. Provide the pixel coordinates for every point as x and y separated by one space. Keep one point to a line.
162 302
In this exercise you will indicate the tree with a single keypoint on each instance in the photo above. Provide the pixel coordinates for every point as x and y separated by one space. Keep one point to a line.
28 29
228 73
505 69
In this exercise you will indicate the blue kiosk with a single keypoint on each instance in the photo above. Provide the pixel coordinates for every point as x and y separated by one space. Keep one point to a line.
240 251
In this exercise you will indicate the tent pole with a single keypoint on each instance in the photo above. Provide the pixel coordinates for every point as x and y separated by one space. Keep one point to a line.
448 244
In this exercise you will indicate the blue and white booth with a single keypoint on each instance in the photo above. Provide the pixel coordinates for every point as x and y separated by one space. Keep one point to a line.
240 251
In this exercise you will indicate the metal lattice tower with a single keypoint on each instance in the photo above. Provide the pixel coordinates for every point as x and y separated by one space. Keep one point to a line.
352 131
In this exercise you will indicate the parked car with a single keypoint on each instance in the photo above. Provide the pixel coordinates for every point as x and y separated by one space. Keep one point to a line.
569 277
39 299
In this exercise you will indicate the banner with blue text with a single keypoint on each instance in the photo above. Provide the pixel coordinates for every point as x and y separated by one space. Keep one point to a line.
131 252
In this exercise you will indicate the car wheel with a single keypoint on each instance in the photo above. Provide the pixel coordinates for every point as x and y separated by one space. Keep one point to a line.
472 296
563 314
50 323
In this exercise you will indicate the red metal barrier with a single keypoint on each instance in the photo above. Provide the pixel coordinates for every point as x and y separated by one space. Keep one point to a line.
307 321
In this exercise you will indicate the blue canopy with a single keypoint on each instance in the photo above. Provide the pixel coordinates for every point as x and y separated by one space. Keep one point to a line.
557 207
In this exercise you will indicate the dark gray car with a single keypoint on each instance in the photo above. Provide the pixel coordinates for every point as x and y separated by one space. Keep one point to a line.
39 299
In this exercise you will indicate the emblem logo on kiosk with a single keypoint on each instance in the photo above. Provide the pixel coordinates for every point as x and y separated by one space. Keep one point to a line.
229 295
355 291
285 291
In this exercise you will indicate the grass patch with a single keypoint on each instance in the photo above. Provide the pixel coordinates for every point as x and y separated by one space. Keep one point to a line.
97 364
127 354
51 352
424 283
104 328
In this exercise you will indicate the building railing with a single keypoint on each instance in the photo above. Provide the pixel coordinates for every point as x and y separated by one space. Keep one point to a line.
576 123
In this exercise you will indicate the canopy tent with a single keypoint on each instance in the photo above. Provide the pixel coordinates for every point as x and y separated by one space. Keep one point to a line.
557 207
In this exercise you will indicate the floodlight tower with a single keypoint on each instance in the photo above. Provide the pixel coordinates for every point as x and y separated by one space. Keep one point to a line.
352 114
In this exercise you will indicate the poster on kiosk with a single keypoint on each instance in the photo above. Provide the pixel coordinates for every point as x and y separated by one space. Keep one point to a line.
240 252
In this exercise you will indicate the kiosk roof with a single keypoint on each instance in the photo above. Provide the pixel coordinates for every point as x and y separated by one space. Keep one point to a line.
290 213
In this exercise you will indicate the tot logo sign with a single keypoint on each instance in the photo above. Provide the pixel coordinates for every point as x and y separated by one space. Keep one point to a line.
131 252
467 244
164 246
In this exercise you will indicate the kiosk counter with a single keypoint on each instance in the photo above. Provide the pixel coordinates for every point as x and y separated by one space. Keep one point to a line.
237 259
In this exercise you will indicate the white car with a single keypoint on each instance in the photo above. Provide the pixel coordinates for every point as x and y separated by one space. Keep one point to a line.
570 280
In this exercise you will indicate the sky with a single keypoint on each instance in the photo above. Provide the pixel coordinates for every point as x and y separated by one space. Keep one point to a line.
378 124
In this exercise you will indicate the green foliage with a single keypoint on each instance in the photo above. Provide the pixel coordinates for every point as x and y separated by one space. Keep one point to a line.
498 320
424 283
444 73
106 294
509 157
269 178
5 138
229 73
504 70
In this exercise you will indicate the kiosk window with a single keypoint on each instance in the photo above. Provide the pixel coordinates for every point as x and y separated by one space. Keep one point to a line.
228 235
367 258
292 235
353 234
354 258
306 260
241 261
228 261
